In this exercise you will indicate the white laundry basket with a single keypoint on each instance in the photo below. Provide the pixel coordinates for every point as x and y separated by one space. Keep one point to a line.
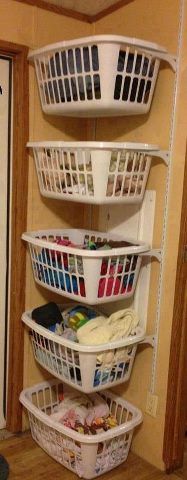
98 76
86 455
87 368
87 276
93 172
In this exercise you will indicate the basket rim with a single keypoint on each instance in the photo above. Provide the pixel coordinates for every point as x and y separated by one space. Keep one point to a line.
119 39
95 145
138 248
130 340
94 439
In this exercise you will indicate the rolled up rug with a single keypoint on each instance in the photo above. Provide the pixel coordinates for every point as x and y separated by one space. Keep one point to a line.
4 468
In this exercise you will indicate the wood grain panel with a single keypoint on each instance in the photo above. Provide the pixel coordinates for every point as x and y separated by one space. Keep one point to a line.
111 9
176 409
18 225
104 8
56 9
91 8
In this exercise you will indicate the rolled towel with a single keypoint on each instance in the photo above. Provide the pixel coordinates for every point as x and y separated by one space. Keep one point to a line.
103 330
106 330
94 332
122 323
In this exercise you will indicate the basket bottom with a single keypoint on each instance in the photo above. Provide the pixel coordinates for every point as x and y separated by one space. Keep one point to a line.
86 110
75 464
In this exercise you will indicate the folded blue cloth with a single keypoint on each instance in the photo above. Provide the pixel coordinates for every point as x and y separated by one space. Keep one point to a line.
60 280
50 276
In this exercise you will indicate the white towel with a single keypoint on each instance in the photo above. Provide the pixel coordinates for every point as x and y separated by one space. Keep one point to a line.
94 332
103 330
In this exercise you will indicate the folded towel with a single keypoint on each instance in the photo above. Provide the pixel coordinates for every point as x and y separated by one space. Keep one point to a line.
106 330
103 330
122 323
94 332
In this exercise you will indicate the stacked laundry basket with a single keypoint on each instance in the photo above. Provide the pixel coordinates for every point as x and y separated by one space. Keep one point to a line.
89 77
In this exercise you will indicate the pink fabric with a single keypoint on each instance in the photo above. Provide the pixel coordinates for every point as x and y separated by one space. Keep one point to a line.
110 282
77 414
65 243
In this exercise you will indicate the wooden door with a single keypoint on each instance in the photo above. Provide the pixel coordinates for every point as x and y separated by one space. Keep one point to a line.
176 410
18 214
5 149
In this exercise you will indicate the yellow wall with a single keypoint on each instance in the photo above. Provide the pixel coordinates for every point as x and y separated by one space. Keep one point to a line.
156 21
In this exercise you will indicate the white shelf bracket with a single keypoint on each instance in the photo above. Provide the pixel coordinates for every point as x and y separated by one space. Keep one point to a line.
171 59
150 340
154 252
164 155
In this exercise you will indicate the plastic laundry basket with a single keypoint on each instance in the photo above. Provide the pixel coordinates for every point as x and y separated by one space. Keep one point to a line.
85 275
98 76
93 172
87 368
86 455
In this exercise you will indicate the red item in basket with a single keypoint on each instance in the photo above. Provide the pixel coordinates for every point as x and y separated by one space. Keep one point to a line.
82 287
111 283
65 243
112 268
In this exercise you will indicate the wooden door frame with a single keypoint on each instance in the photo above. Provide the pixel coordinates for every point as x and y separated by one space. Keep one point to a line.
17 267
176 408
